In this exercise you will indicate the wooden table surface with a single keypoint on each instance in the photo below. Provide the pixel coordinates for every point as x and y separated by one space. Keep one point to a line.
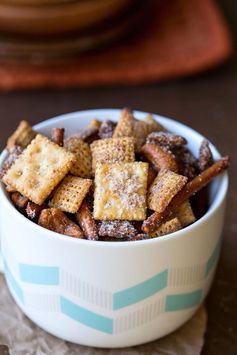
208 103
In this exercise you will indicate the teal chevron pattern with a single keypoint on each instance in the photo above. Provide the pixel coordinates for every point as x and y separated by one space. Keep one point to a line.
41 275
182 301
141 291
13 283
86 317
213 258
154 288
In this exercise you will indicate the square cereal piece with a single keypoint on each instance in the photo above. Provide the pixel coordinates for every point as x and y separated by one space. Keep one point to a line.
129 126
140 132
112 150
170 226
120 191
165 186
22 136
70 193
39 169
185 214
83 164
124 126
153 125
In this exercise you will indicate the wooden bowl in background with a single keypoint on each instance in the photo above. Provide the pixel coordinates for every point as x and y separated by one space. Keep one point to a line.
51 17
89 36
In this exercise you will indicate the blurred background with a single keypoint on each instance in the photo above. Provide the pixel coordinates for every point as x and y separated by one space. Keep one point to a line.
175 57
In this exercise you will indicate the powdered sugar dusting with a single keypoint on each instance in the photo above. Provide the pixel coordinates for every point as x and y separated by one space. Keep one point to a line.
121 191
117 229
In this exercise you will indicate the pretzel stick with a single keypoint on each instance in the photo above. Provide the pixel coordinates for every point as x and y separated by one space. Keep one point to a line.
152 222
200 200
160 157
58 136
87 222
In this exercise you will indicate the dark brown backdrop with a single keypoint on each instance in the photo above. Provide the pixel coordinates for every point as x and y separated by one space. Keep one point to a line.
208 103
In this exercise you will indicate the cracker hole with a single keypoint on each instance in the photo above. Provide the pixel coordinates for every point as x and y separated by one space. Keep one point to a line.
38 150
19 173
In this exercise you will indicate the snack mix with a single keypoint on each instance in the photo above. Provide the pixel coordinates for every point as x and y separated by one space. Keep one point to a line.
125 181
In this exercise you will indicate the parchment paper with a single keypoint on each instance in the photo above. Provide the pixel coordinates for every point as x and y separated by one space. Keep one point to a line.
25 338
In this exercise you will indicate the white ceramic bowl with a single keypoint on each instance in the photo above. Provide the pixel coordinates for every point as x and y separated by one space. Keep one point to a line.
107 294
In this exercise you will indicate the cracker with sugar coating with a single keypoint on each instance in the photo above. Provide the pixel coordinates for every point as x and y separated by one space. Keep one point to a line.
83 164
70 193
112 150
185 214
165 186
39 169
168 227
120 191
22 136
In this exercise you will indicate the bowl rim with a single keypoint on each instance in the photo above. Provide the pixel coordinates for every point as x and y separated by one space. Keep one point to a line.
218 199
